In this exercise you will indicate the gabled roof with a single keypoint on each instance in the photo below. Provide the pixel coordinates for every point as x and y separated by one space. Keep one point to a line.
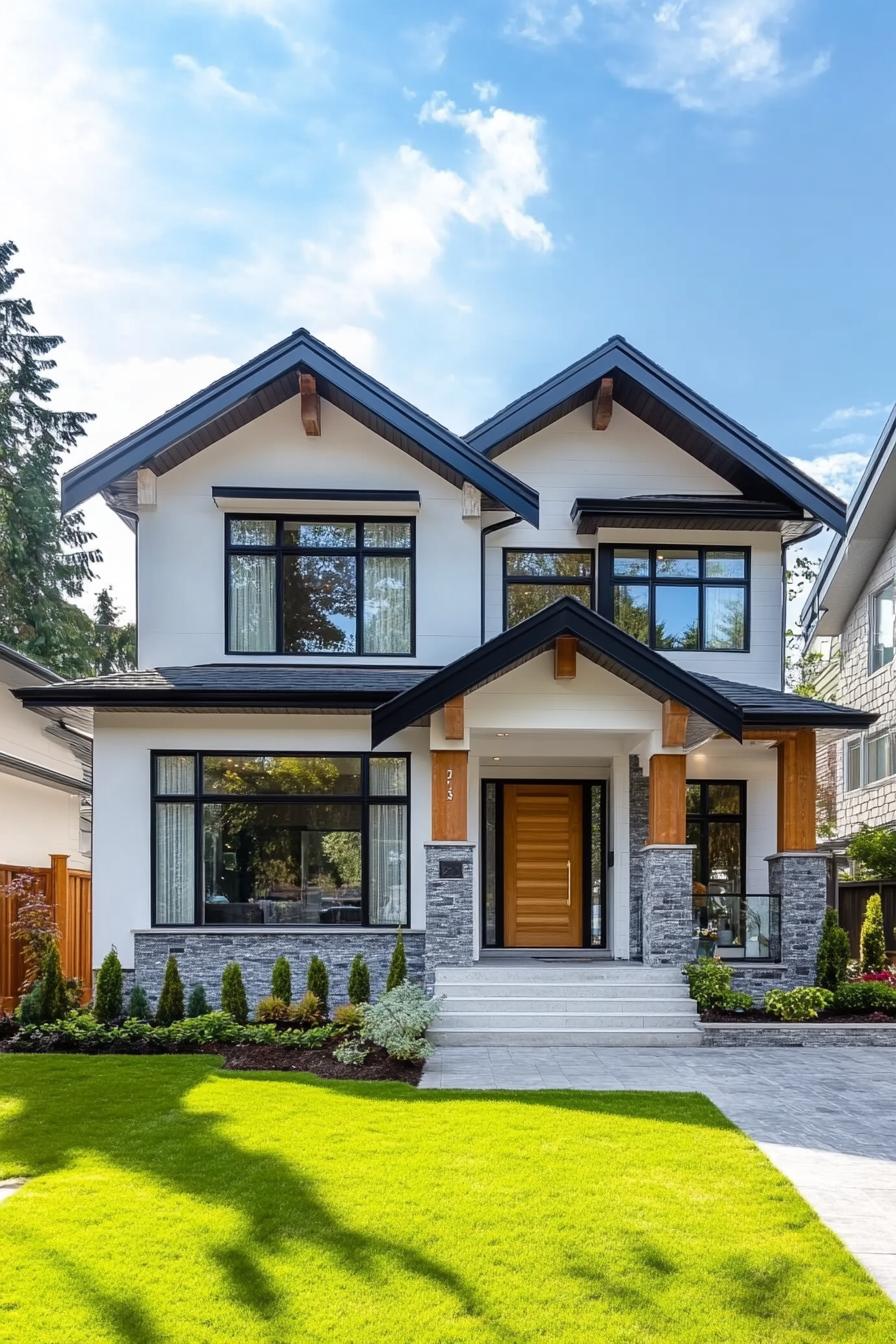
850 559
22 663
726 705
265 382
674 410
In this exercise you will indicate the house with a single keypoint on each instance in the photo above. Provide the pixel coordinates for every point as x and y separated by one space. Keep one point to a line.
519 692
850 616
44 772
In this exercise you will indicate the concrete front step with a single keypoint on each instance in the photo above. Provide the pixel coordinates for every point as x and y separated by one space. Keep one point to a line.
559 1002
611 973
550 1036
561 1021
563 989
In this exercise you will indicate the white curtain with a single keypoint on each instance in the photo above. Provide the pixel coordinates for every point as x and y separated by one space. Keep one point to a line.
175 774
253 618
388 775
388 866
387 604
175 853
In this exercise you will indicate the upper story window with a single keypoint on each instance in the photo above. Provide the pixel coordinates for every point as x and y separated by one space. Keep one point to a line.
320 585
883 626
869 758
535 579
678 597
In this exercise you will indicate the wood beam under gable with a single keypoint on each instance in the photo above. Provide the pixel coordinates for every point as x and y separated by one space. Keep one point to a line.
565 650
146 488
675 724
602 405
310 404
453 714
471 506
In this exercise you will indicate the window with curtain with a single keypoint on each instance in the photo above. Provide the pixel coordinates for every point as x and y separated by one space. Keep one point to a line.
678 597
313 585
291 838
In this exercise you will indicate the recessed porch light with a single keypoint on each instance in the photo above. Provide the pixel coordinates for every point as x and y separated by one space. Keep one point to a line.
496 758
502 734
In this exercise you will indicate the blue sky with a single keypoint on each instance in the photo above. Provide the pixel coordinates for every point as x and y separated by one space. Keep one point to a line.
462 198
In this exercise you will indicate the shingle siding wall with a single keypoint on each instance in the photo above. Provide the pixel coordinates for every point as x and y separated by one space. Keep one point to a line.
874 805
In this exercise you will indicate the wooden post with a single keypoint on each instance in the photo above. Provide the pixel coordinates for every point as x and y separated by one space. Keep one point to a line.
57 894
666 802
449 795
796 791
453 716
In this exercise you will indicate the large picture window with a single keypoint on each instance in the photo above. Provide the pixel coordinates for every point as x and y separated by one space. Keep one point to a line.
280 839
535 579
716 826
316 585
678 597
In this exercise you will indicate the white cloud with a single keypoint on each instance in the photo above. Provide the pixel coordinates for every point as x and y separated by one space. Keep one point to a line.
485 90
545 22
852 440
844 415
284 18
210 84
840 472
429 44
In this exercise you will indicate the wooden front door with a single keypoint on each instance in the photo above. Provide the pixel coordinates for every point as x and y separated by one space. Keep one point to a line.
542 865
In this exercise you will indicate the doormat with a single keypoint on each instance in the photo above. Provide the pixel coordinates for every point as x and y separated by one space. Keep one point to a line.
576 961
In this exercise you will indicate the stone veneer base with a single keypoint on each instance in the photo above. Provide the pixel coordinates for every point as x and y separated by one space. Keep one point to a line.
201 958
761 1034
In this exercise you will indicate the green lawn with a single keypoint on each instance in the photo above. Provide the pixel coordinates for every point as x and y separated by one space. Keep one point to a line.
173 1202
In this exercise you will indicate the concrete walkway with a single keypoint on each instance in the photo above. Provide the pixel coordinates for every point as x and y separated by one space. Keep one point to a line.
825 1117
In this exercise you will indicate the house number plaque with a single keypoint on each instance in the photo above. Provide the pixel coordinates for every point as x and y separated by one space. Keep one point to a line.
449 795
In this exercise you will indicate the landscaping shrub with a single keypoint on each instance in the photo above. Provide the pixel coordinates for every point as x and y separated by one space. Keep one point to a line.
872 946
29 1009
798 1005
709 981
737 1001
8 1026
197 1004
875 851
879 977
53 1000
359 980
349 1016
81 1032
865 996
398 966
233 993
271 1009
308 1012
170 1007
138 1004
398 1022
833 953
108 1002
350 1052
281 980
318 982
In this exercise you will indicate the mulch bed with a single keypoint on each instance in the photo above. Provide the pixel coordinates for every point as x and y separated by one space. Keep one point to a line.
377 1068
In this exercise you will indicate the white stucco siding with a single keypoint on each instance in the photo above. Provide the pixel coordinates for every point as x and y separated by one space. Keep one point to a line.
35 820
181 541
570 460
122 797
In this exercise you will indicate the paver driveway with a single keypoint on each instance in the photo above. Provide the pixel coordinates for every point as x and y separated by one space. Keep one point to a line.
825 1117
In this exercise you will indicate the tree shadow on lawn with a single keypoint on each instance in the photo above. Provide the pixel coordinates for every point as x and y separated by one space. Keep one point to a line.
158 1134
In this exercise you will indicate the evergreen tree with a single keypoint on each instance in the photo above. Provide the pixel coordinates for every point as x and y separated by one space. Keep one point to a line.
53 1001
170 1007
872 944
281 981
107 1003
116 645
45 559
138 1004
833 953
398 966
359 981
233 993
318 982
197 1004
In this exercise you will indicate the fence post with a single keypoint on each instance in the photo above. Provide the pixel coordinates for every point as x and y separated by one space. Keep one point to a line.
57 893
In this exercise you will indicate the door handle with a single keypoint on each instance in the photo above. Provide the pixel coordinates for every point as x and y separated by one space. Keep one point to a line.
568 882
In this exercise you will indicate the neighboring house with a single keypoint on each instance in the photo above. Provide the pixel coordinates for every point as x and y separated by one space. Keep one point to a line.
851 615
44 772
518 691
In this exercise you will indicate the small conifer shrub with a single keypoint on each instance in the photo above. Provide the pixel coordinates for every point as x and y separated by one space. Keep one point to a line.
359 980
833 953
233 993
872 946
197 1004
108 1000
281 980
170 1007
53 1000
318 982
398 966
138 1004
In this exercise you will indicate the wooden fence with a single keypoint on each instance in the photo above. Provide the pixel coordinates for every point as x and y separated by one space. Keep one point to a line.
69 894
852 897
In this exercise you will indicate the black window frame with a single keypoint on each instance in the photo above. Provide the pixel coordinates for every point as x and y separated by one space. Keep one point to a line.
358 551
510 580
874 667
198 798
607 581
704 817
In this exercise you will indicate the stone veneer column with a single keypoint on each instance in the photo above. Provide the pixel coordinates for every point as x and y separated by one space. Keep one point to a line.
638 805
449 906
668 904
801 880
